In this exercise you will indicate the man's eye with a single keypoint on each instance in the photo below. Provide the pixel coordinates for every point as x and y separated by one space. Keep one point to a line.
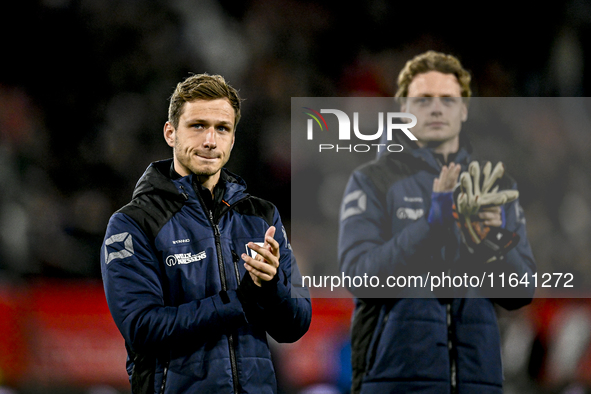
423 100
197 126
449 100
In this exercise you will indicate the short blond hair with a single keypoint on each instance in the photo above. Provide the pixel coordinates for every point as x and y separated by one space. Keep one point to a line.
202 87
433 61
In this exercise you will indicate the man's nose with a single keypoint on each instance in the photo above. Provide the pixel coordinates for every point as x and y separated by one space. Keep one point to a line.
210 138
436 106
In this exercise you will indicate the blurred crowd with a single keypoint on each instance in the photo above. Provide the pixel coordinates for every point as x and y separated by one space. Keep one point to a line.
84 97
84 88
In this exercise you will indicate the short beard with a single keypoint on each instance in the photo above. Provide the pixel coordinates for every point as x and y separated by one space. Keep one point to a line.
188 166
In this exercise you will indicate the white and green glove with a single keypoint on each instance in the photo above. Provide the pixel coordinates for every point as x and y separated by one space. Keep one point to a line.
476 190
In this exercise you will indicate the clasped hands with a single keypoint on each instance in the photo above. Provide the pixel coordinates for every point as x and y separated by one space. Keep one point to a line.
263 267
476 201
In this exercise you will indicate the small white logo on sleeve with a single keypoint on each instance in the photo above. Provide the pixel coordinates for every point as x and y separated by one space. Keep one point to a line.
354 203
127 250
409 213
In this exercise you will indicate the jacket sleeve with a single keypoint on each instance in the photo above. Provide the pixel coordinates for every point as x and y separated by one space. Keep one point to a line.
132 278
367 244
281 306
519 261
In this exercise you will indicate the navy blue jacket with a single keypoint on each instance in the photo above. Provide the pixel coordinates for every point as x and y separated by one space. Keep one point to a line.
171 270
415 340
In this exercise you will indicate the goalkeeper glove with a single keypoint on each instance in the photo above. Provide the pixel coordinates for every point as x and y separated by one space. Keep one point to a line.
485 242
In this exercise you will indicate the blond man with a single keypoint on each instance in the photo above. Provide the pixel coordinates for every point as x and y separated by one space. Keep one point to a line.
421 339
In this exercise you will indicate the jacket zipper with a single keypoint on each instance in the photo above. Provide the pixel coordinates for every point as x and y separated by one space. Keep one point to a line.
224 283
164 373
235 258
218 247
450 347
453 368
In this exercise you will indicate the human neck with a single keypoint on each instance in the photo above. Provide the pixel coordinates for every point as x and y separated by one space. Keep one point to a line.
209 181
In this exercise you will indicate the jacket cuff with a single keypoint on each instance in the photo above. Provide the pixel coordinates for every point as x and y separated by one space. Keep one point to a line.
229 309
441 211
270 293
274 290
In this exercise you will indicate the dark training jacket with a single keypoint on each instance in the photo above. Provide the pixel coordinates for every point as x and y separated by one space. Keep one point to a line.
171 270
414 340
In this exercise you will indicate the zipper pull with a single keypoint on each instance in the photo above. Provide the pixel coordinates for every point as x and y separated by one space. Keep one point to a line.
184 194
235 256
236 259
216 229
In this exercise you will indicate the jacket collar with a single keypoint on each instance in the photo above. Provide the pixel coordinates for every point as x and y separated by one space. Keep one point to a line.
426 155
436 161
158 178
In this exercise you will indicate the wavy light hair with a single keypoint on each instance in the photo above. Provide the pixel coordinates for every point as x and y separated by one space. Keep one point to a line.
433 61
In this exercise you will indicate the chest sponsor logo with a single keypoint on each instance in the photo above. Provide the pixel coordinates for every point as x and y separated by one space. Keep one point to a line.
409 213
181 241
184 258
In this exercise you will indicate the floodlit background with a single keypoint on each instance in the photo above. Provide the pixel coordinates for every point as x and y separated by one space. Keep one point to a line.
83 98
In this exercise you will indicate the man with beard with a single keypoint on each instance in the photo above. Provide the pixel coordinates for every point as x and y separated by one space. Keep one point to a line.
196 271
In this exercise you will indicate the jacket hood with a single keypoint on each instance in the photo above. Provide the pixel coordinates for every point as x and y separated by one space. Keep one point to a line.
157 179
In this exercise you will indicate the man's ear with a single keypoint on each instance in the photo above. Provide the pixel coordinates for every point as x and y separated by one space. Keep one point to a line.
169 134
464 112
403 109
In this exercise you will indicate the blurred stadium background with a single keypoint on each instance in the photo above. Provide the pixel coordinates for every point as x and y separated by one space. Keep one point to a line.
83 98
